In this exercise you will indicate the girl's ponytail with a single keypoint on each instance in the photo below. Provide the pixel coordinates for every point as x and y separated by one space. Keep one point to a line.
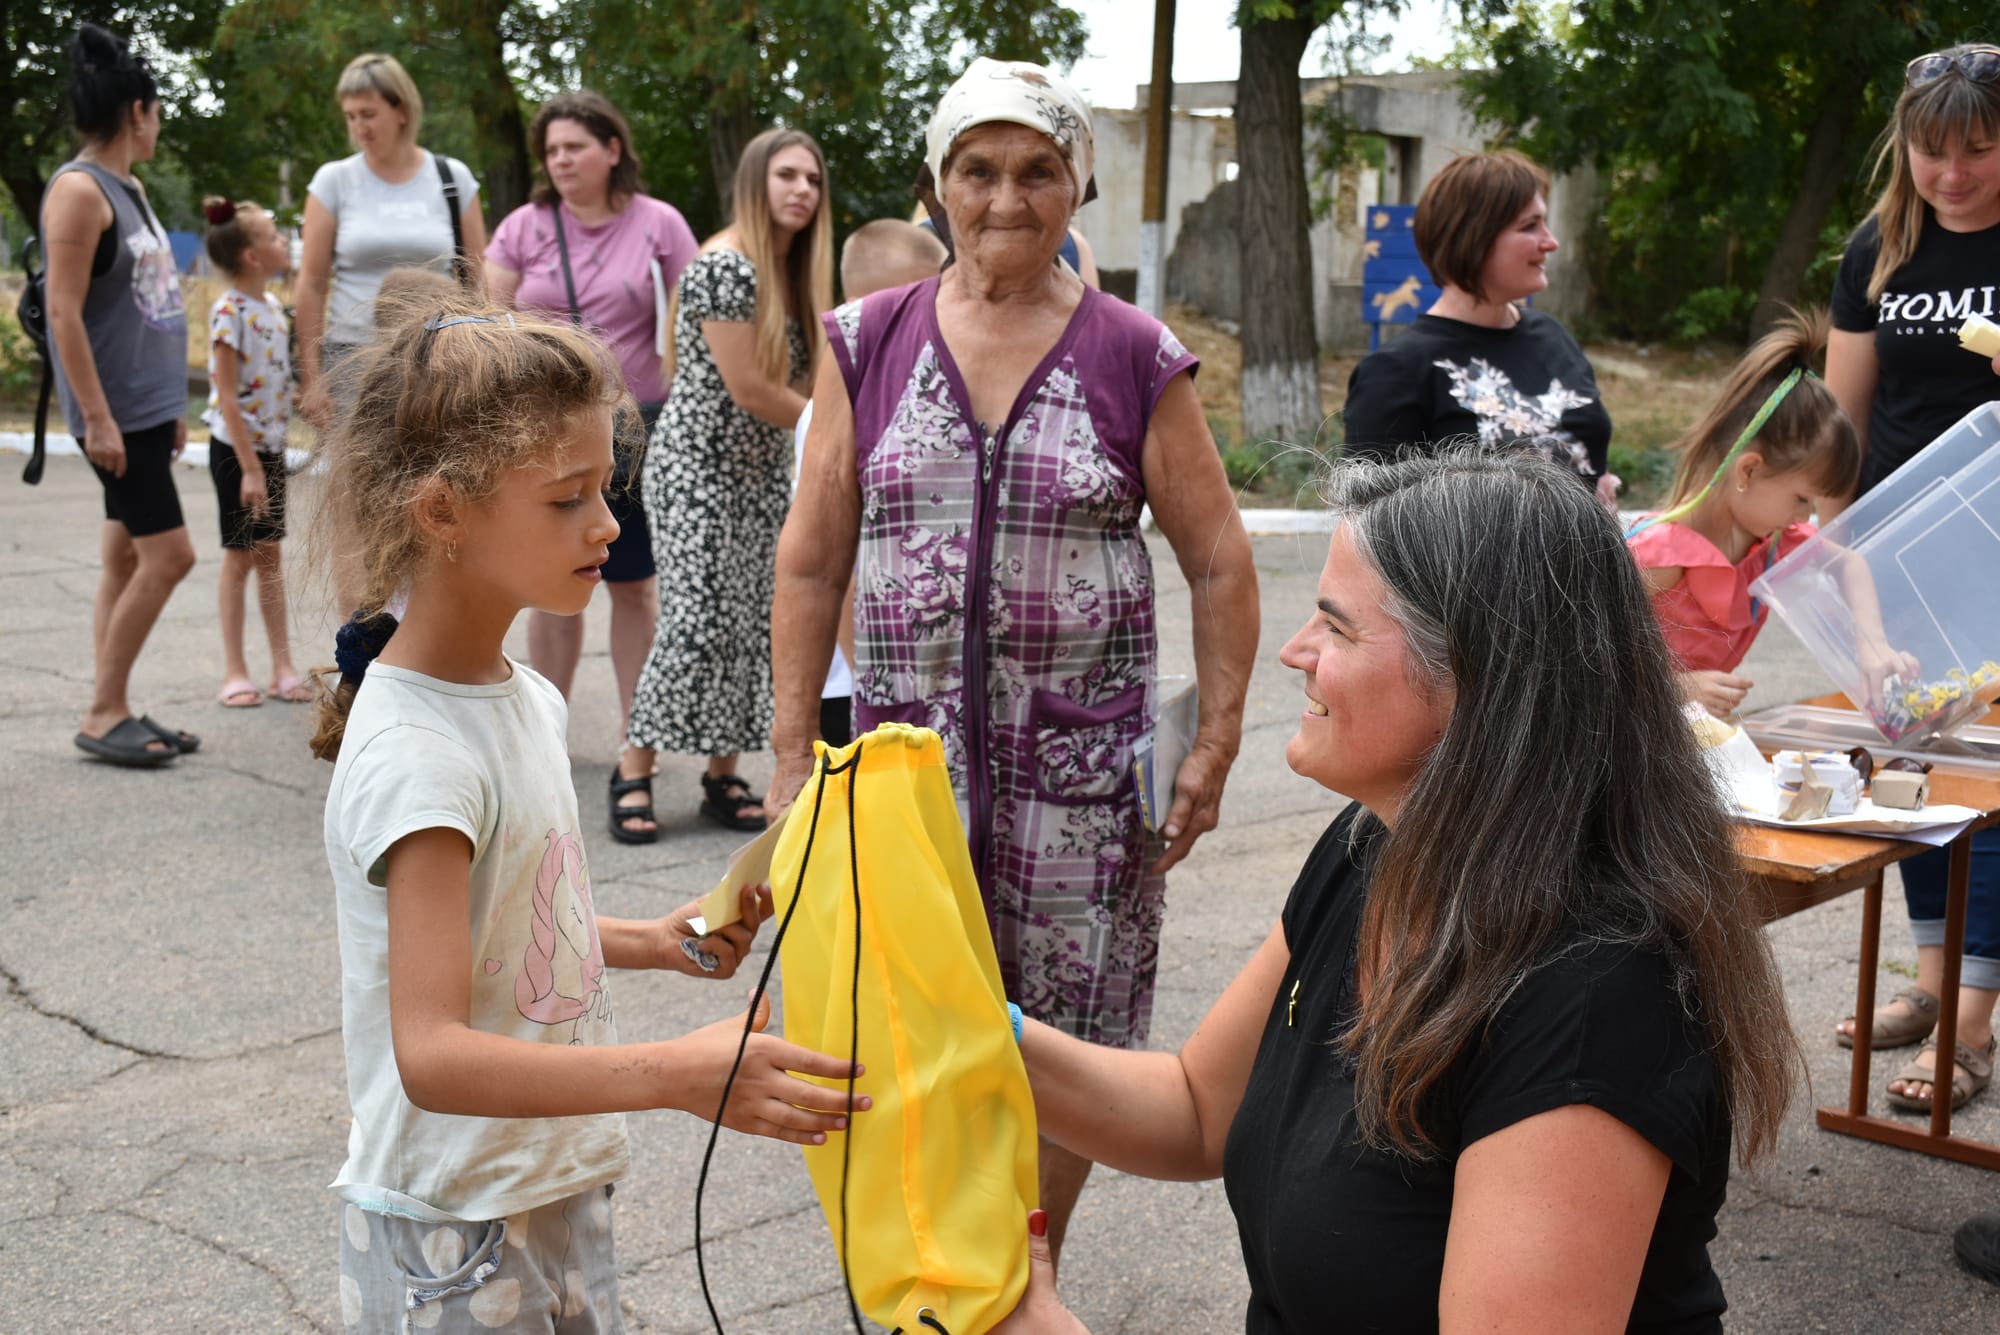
1802 425
357 644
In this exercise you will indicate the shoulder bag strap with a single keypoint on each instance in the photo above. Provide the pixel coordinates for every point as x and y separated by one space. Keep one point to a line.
459 269
562 248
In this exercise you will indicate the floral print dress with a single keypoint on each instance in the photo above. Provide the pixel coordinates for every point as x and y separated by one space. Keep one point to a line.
1004 597
717 485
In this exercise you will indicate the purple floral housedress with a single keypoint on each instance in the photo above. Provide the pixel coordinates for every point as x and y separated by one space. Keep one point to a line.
1054 632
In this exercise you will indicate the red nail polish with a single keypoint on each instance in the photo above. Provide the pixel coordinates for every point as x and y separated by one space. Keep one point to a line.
1038 1223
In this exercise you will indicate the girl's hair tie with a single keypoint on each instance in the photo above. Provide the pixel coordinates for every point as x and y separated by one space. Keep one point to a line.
219 211
358 642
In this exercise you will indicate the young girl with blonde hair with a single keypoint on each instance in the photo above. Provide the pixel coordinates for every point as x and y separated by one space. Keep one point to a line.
717 482
483 1065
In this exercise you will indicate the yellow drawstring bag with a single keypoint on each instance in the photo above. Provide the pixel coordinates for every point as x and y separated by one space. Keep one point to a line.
928 1193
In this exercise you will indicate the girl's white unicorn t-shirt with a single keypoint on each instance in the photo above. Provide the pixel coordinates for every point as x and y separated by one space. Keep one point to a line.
490 762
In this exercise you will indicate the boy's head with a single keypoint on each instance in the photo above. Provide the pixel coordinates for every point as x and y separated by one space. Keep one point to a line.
888 253
408 291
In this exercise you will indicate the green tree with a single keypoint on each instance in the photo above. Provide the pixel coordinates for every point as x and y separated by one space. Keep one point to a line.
34 79
273 65
1731 137
699 80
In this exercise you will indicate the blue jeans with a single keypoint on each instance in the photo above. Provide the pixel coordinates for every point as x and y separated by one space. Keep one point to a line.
1924 880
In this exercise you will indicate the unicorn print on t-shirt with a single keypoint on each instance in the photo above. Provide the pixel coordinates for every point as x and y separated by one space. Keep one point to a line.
562 972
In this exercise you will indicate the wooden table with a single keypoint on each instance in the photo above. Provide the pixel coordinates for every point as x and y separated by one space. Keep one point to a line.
1796 869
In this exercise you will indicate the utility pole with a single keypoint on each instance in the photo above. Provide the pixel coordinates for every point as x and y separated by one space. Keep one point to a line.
1159 124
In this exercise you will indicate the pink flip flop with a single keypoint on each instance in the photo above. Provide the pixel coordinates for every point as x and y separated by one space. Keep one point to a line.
239 693
292 689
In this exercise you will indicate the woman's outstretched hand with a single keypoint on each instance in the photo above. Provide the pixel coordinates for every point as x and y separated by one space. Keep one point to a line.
1040 1312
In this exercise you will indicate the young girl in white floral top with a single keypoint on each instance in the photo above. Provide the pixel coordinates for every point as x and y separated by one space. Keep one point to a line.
249 403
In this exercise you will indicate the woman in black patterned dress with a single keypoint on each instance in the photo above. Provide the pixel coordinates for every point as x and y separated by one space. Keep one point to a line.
717 477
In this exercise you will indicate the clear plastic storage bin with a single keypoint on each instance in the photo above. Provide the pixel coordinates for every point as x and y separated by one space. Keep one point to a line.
1899 597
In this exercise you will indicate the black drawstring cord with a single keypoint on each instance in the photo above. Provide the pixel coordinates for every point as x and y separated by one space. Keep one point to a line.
743 1044
853 1037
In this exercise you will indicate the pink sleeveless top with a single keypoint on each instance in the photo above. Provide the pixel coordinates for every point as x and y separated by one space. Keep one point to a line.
1709 618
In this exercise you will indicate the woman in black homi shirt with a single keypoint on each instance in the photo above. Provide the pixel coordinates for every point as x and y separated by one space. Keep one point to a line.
1484 1071
1480 365
1927 257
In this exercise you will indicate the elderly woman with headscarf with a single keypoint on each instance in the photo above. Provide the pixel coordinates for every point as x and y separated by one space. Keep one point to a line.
981 448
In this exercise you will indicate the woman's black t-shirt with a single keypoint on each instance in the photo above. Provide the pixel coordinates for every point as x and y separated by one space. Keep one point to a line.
1441 380
1338 1236
1926 381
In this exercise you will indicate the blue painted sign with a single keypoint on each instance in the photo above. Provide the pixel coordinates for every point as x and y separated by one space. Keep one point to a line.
1395 286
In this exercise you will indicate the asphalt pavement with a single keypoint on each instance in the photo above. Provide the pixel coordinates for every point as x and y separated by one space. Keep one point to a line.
172 1100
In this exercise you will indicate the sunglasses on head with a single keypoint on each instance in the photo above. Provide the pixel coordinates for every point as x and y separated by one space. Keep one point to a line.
1981 65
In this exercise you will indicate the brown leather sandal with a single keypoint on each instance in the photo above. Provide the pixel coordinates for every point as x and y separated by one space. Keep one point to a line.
1972 1073
1894 1029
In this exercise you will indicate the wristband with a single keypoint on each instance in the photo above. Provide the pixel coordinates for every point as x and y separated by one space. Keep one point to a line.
1014 1014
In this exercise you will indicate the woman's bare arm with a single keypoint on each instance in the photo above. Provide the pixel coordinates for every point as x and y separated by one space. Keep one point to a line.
734 345
1550 1221
73 218
815 562
1157 1114
1196 510
1852 371
316 230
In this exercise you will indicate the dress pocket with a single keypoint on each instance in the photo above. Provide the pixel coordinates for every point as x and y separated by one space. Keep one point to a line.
1083 753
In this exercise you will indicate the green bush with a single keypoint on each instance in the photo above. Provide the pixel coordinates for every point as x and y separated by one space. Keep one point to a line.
1646 468
20 365
1713 312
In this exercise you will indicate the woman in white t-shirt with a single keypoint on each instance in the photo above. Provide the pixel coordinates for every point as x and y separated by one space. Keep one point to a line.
383 208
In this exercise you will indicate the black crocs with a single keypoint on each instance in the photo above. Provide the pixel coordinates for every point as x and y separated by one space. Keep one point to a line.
131 744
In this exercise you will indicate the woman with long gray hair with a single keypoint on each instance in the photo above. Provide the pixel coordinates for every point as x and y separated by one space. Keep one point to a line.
1486 1069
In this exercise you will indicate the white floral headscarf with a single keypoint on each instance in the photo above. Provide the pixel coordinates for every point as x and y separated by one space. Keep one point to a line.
1022 93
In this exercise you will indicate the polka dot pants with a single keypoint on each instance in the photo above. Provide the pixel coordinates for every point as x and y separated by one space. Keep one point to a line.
543 1270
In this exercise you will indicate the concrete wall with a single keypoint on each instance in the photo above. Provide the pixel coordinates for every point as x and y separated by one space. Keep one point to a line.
1200 150
1421 116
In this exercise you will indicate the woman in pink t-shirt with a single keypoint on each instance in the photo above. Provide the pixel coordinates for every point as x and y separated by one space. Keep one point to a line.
592 246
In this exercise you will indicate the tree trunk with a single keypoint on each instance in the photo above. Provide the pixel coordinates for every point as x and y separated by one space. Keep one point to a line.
1280 384
1821 177
499 136
732 123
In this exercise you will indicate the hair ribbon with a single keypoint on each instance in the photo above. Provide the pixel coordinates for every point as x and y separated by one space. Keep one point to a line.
1748 434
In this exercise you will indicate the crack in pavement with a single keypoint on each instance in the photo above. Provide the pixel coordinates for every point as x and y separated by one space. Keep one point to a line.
296 790
223 1249
1763 1195
19 990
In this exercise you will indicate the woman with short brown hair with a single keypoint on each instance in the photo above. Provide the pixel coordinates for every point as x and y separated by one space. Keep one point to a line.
1480 364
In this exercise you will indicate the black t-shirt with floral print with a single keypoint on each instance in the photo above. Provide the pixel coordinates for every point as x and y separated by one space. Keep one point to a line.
1444 381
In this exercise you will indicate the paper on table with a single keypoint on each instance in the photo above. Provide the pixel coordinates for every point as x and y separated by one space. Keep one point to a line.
1937 824
748 865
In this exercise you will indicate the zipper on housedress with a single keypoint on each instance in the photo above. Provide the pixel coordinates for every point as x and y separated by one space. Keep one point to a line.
978 760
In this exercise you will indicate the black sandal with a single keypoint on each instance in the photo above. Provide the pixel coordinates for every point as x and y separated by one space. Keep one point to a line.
184 742
620 786
724 800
